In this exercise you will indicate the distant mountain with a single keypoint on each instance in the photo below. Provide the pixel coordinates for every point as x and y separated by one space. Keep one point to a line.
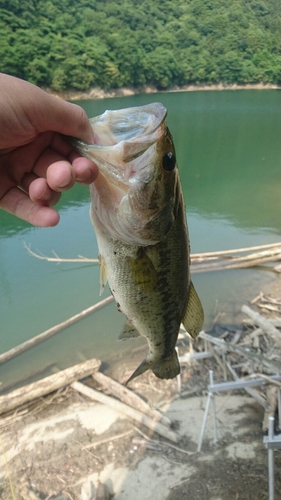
78 44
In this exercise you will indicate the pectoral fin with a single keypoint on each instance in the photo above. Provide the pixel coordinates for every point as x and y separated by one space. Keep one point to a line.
129 332
103 273
193 315
143 271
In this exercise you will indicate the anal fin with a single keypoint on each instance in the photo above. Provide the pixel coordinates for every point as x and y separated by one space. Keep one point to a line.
193 315
163 368
143 367
129 332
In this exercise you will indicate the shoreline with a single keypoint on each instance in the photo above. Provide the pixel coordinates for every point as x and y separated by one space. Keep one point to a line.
98 93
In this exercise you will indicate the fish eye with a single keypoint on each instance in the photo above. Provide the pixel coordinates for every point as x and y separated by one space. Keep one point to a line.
169 162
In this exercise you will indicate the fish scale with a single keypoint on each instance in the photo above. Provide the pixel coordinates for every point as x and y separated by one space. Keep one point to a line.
139 217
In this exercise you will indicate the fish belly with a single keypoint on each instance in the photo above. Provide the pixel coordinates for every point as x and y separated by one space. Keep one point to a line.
150 286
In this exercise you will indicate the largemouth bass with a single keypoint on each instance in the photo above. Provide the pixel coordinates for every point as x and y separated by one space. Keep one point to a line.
139 217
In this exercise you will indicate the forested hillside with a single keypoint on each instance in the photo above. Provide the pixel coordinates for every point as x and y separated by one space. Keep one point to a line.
114 43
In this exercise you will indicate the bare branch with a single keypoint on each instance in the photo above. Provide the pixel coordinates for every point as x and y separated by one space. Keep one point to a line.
57 258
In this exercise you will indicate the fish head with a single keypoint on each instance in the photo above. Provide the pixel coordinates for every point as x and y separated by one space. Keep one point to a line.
134 195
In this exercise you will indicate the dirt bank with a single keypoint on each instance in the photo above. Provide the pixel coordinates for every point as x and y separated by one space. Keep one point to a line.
97 93
64 445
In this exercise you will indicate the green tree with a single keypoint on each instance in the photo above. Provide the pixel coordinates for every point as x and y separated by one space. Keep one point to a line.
113 43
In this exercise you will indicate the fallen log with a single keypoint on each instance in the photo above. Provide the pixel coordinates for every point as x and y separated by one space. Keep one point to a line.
263 323
28 344
126 410
47 385
129 398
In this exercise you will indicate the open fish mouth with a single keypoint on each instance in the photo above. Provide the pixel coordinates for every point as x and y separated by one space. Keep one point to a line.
123 142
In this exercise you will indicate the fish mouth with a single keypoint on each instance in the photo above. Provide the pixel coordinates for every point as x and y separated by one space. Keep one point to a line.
124 139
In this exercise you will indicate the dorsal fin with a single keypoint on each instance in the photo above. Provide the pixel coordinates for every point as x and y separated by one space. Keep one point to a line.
193 315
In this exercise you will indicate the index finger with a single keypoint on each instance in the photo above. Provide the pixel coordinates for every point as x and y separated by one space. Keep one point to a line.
18 203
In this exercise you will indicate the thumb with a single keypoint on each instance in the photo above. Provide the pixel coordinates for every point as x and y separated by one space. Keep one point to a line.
55 114
44 112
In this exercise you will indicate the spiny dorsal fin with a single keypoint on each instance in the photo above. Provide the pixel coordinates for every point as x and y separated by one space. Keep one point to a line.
129 332
193 315
103 273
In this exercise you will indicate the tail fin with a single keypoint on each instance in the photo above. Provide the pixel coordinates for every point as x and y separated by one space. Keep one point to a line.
164 368
167 368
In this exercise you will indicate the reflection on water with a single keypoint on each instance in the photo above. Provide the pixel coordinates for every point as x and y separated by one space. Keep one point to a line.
228 153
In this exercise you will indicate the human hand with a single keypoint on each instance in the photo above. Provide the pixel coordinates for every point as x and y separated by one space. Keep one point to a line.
36 161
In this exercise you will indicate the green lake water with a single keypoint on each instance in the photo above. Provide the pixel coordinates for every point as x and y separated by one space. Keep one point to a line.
229 156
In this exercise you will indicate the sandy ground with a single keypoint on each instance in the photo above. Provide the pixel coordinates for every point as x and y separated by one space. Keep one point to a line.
65 445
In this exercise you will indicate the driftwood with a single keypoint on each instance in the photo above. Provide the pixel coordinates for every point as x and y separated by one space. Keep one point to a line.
252 336
15 351
98 442
47 385
271 397
236 250
126 410
224 263
252 392
217 358
129 398
269 363
263 323
262 353
274 321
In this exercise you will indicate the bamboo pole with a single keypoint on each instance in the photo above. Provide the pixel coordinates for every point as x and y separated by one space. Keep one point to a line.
46 385
28 344
136 415
235 263
237 250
